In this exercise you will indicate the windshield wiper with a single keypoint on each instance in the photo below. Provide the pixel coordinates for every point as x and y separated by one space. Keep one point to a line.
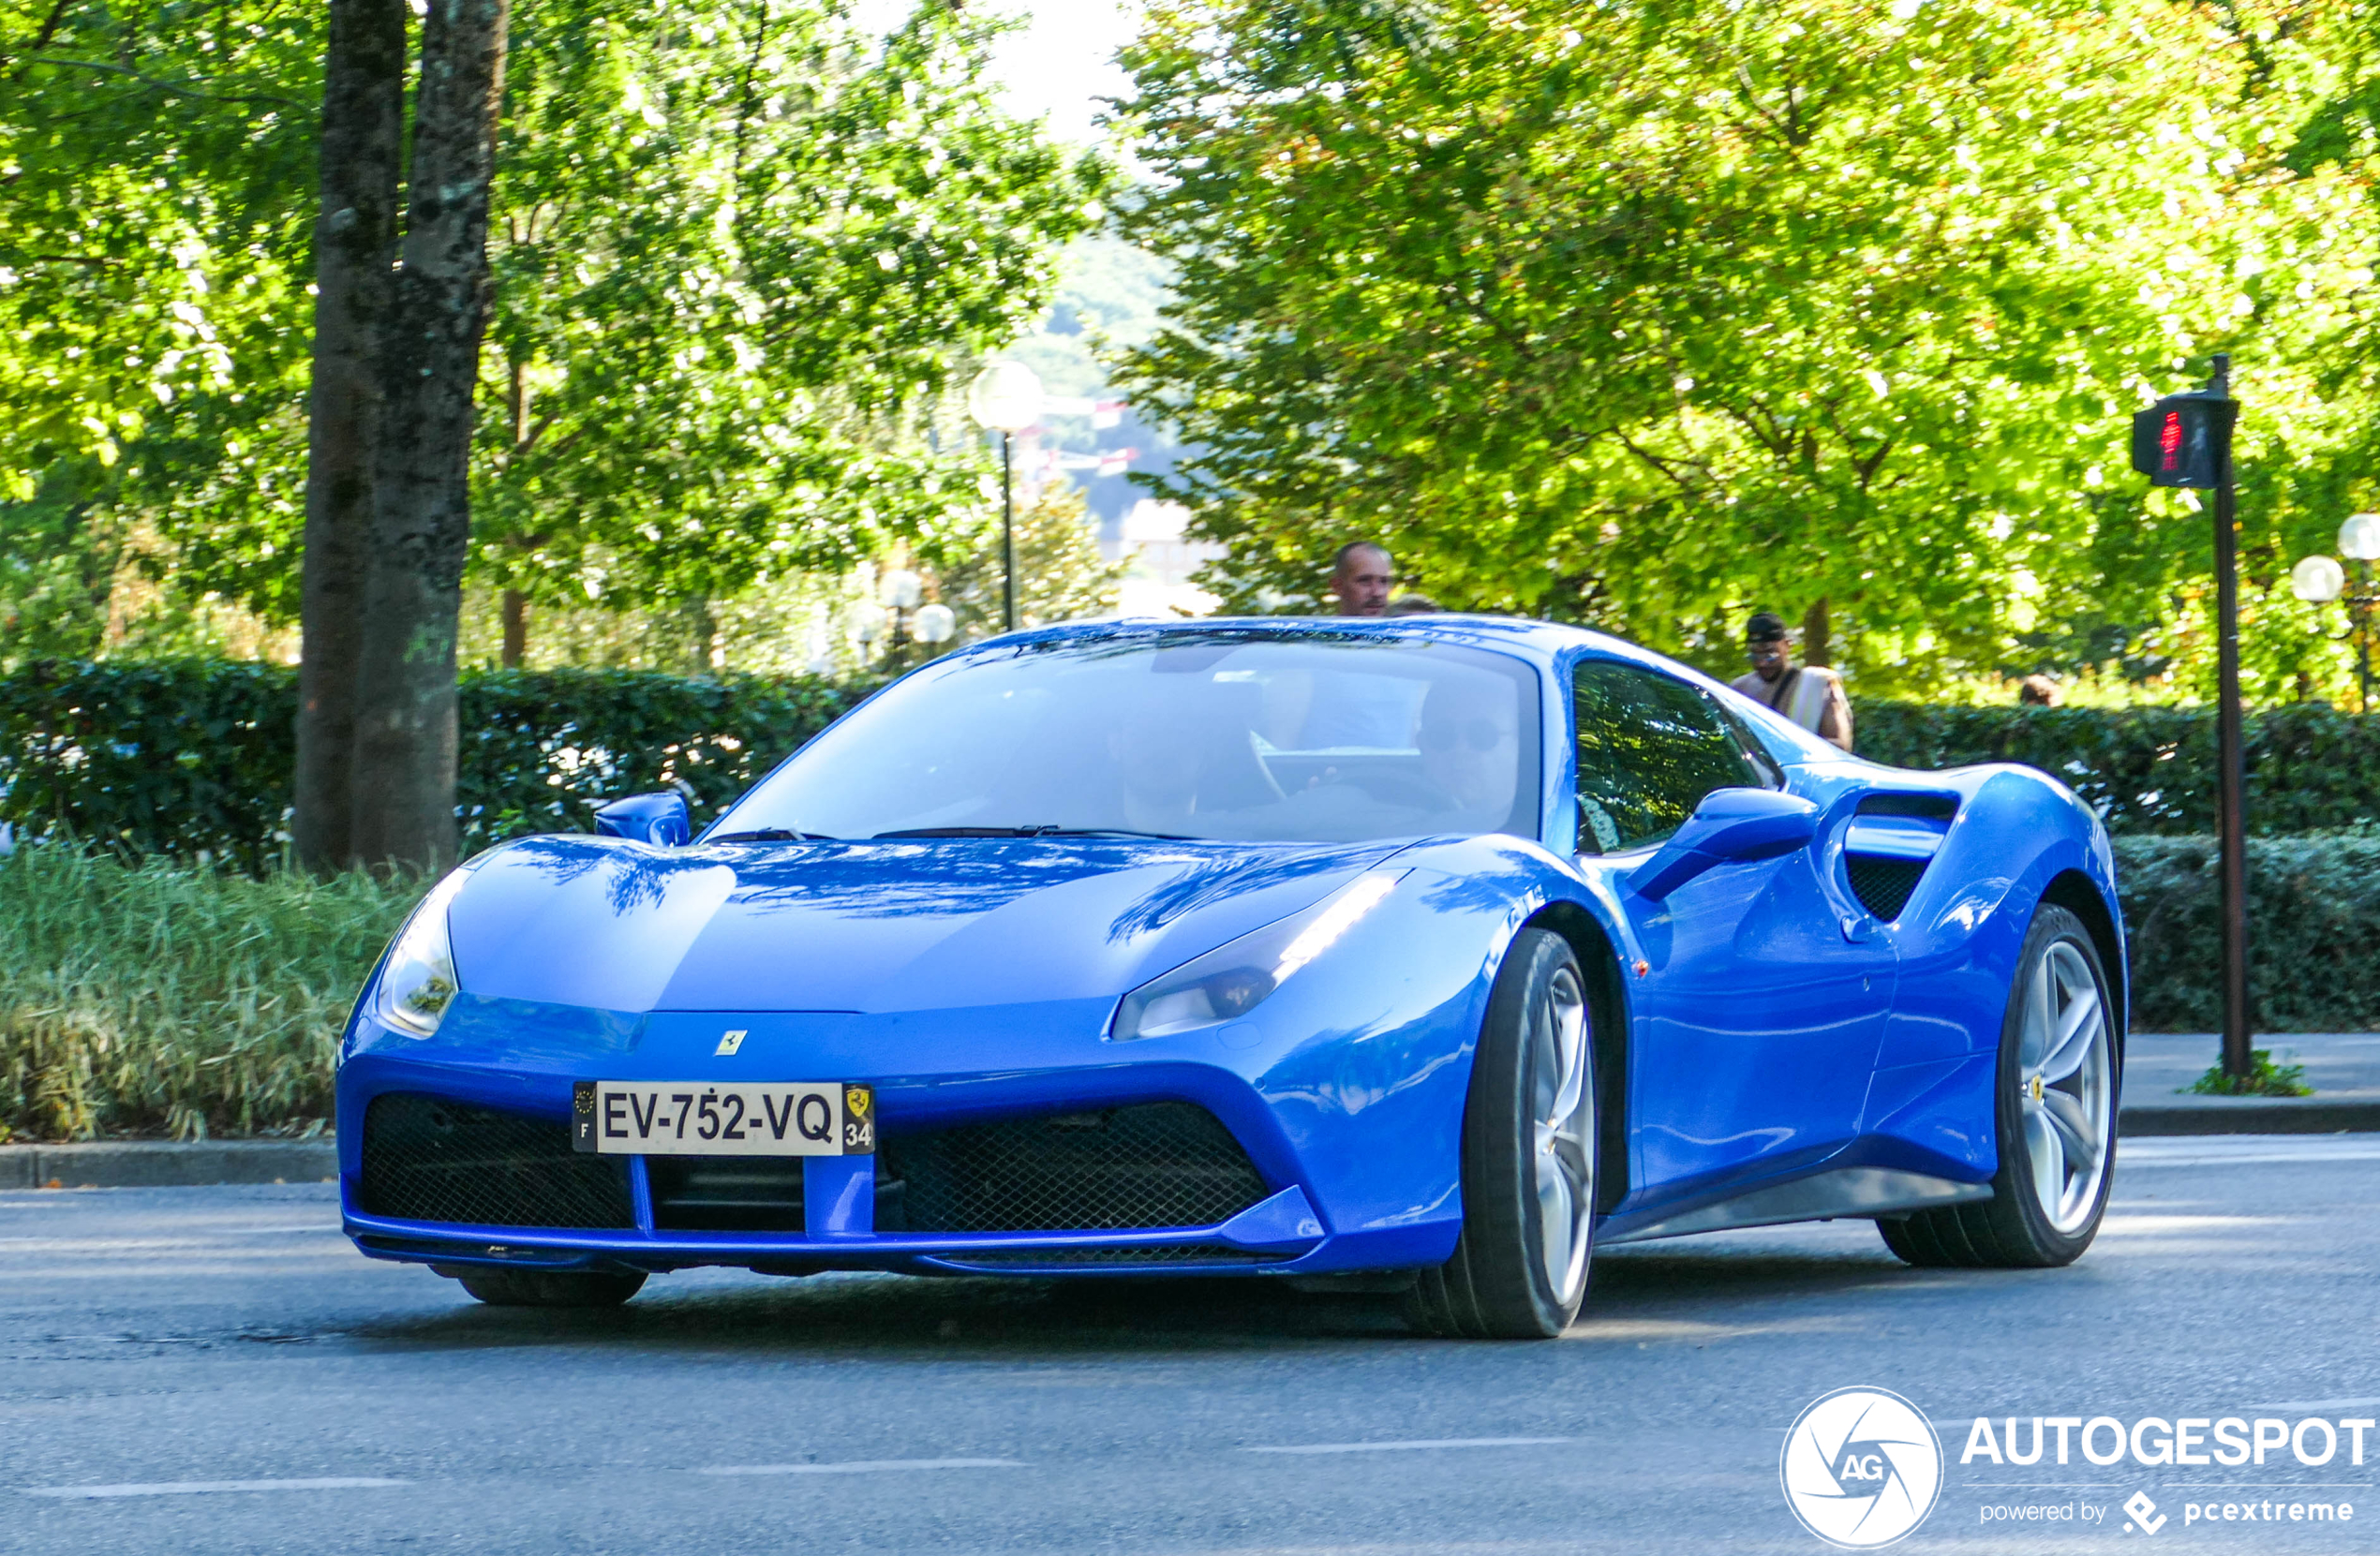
1032 832
1114 831
770 834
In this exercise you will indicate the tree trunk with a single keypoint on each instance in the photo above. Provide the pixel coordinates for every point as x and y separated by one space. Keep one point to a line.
1816 644
354 245
405 749
515 628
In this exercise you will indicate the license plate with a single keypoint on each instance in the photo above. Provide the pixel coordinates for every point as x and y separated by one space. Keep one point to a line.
705 1118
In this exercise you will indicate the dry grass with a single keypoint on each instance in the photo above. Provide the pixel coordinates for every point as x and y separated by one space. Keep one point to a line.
168 998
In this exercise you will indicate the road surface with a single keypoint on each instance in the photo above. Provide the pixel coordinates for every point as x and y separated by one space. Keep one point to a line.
201 1370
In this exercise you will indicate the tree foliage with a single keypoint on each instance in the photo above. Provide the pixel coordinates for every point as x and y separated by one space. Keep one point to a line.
1649 314
740 258
742 249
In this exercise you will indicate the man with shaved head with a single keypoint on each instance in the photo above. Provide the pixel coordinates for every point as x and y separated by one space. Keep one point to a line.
1362 578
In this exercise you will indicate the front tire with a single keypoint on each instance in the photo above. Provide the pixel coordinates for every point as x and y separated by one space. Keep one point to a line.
550 1288
2055 1109
1520 1265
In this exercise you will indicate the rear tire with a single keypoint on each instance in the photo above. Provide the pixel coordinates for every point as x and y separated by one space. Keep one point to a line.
550 1288
2055 1111
1520 1265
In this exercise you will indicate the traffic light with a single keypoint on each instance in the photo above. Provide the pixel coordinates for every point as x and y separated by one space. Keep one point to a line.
2184 439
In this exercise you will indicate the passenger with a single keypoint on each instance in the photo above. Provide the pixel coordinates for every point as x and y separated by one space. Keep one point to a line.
1470 740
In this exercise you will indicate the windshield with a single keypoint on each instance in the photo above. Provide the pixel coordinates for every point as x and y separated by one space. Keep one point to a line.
1284 735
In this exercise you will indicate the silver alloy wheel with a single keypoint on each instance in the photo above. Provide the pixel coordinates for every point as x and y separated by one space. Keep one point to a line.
1562 1111
2064 1091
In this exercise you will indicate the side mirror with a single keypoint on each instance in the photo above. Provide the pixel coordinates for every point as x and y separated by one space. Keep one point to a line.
661 820
1731 826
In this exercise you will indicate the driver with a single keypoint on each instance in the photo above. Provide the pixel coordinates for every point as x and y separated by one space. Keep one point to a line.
1160 751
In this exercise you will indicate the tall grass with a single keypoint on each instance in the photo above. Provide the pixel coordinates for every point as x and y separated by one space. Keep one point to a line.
168 999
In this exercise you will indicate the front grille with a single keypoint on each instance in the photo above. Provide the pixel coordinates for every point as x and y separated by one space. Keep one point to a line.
1882 885
1185 1253
1124 1168
727 1193
428 1159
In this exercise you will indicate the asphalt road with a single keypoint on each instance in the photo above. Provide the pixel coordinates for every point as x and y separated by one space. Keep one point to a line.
171 1355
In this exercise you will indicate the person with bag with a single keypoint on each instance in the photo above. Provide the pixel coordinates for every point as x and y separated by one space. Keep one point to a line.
1811 695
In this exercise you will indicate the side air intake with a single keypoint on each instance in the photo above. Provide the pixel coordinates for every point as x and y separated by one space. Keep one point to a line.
1889 844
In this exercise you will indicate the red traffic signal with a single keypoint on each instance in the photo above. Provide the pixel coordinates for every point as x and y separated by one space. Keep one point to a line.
2184 439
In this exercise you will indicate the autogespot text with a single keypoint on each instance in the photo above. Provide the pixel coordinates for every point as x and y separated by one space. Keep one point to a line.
2184 1440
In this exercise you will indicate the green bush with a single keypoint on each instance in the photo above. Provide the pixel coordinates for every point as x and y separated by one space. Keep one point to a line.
193 757
2314 917
165 999
2152 770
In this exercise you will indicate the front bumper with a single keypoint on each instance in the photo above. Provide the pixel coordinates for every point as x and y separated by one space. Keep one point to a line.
521 1063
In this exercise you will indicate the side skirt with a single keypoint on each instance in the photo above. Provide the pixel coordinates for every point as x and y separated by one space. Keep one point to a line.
1846 1193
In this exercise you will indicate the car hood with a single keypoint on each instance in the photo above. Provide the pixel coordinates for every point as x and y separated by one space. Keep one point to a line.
890 925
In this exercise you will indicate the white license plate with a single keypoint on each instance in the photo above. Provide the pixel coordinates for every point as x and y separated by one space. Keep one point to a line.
707 1118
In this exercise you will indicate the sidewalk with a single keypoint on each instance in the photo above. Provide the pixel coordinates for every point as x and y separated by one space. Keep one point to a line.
2343 1068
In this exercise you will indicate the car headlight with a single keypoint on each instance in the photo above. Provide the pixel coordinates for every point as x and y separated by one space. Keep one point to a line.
1236 977
418 982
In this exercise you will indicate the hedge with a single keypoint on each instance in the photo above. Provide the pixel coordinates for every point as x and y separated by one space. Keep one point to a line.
192 757
2313 921
2152 770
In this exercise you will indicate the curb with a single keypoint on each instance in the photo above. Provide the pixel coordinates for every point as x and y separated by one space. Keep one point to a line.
2314 1115
167 1164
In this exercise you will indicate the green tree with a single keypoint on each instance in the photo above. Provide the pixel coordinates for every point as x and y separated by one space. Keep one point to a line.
741 254
1647 315
155 169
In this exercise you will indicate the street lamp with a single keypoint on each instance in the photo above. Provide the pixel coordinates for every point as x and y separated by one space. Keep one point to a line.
2319 580
1006 399
933 623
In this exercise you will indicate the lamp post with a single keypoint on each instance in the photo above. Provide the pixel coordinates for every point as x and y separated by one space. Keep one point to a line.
1006 399
898 590
2319 580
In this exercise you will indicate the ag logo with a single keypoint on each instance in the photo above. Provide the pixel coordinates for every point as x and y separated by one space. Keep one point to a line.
1862 1468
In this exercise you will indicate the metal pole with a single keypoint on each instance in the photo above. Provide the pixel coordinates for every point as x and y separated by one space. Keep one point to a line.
2230 762
2362 610
1007 544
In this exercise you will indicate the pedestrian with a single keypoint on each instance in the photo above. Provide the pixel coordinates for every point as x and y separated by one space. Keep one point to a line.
1414 605
1811 695
2038 691
1361 576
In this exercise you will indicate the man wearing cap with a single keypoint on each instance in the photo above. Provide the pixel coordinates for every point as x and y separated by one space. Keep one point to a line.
1811 695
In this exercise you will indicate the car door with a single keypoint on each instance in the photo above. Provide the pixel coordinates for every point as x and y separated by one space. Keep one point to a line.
1756 1021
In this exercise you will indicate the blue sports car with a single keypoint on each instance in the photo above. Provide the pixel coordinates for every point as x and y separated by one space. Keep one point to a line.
1418 954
